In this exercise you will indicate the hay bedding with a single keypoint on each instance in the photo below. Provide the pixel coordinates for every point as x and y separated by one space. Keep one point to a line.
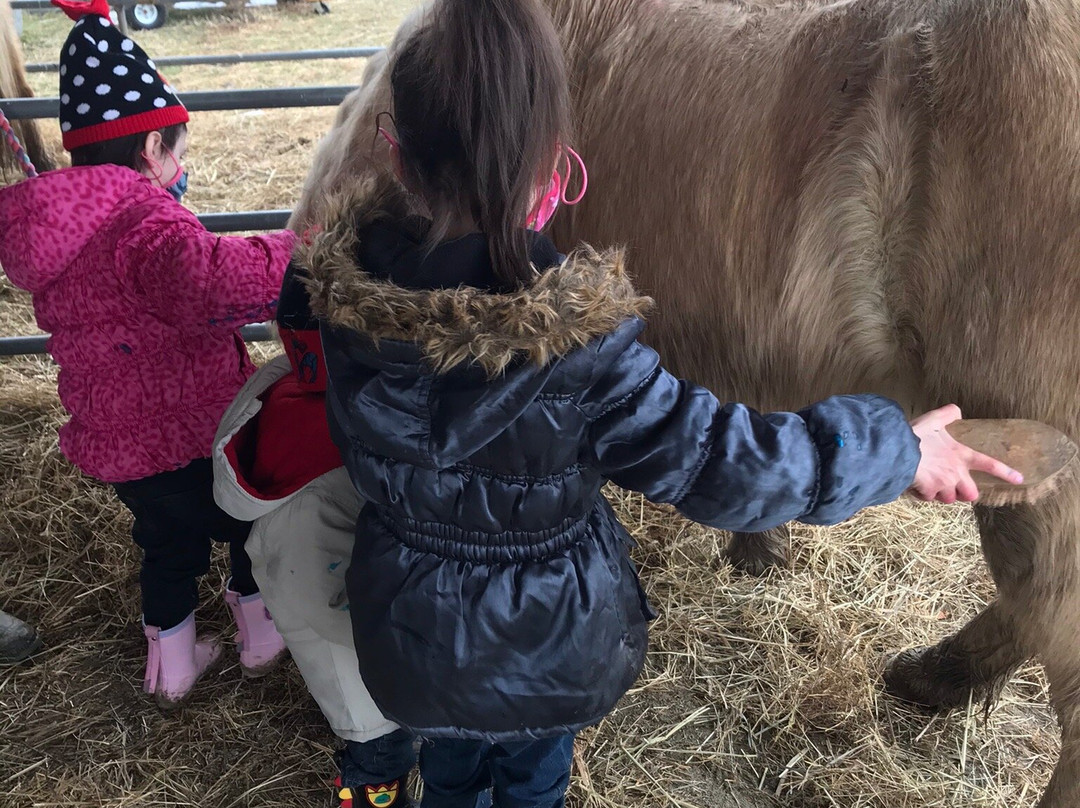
757 693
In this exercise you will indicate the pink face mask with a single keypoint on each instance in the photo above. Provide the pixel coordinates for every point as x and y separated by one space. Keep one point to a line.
554 193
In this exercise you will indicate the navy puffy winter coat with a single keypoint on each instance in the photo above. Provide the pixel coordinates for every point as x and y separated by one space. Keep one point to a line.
491 591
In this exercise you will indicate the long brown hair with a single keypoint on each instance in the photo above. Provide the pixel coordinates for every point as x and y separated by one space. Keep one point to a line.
481 105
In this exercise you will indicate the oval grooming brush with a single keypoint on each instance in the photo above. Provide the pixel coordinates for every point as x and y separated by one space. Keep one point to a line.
1045 456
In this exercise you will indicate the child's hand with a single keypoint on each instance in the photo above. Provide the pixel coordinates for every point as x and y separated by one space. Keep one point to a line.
944 472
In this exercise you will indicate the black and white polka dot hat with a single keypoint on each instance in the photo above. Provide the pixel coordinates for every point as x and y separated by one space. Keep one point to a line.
109 87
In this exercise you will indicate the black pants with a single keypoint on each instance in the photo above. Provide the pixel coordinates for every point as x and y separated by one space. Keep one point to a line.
175 520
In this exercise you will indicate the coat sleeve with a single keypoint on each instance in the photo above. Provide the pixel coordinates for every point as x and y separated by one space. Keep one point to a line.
732 468
192 277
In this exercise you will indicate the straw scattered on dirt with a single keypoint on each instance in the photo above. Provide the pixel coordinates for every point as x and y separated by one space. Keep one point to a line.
757 692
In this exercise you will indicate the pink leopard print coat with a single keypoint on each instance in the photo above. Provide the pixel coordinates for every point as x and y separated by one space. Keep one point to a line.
143 304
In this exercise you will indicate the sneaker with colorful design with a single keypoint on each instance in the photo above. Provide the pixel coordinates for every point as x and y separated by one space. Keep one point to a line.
380 795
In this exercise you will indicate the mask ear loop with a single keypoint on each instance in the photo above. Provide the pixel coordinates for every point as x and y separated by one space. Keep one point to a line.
568 153
154 166
550 196
157 171
179 168
560 185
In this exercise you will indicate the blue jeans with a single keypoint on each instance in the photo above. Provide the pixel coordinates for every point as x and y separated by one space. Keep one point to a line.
378 761
527 774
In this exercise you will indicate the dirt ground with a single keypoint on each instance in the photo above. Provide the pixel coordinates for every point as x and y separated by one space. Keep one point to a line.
757 692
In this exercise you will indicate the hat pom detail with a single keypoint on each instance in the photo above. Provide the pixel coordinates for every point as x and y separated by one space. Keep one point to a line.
77 9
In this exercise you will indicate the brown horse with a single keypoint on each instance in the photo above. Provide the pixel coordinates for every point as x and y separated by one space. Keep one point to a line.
13 84
831 197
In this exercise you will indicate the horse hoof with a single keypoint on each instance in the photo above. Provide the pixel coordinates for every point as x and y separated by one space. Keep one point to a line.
922 677
750 554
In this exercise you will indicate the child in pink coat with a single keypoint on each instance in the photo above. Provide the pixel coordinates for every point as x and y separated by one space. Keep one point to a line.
143 305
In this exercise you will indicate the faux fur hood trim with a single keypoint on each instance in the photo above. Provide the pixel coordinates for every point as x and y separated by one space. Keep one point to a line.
568 306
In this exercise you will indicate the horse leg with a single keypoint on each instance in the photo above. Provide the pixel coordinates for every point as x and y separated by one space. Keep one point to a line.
757 553
1060 654
977 661
1033 555
1064 788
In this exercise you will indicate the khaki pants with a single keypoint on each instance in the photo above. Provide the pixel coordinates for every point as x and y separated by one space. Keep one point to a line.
299 555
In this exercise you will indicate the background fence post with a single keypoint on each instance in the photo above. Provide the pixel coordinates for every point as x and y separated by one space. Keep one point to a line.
121 19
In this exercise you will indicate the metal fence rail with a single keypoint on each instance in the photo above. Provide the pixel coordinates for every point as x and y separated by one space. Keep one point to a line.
215 223
27 346
247 220
19 6
116 5
205 101
31 5
238 58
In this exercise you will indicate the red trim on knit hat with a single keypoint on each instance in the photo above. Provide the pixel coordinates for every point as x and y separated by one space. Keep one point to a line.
150 121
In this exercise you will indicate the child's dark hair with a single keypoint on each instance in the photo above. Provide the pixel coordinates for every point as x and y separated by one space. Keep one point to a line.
123 151
481 106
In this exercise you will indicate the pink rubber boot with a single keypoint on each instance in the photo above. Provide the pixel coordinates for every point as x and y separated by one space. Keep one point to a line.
175 660
261 647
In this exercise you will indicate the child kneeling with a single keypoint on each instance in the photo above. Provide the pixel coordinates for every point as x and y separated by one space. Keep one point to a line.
275 465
